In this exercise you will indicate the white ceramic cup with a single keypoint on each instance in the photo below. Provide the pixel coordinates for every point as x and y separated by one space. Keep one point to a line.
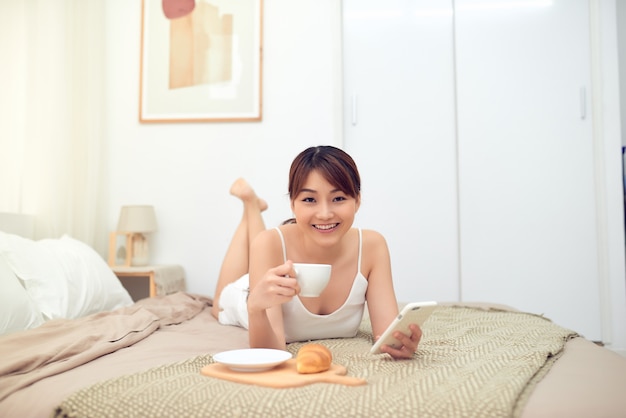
312 278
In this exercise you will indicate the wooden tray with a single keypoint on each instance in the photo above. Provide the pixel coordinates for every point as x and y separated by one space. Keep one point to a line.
284 375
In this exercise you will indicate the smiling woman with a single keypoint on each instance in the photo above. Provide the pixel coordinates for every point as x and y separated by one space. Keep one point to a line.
257 287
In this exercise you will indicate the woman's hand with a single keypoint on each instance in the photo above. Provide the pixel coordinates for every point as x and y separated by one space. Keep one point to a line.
409 343
274 288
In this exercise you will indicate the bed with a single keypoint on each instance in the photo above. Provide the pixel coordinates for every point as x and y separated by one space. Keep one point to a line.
93 352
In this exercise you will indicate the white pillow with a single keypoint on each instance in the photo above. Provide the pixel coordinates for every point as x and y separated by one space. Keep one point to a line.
17 310
37 267
92 286
65 277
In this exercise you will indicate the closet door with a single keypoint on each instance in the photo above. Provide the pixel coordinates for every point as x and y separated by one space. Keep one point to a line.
399 126
526 175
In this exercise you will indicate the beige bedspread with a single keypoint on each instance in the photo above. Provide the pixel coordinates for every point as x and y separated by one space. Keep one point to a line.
471 362
61 345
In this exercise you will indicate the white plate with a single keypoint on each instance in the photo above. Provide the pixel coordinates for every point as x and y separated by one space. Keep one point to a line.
252 359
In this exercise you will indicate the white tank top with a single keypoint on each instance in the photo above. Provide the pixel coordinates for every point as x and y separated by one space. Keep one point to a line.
302 325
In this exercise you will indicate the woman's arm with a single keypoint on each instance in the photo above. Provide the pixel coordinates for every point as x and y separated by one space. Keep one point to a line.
270 287
381 299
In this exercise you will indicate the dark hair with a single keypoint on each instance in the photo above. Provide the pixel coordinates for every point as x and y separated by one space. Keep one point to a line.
334 164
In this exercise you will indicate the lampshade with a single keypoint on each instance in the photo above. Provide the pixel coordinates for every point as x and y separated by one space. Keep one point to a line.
139 218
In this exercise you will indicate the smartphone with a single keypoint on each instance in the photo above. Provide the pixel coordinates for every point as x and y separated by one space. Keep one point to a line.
412 313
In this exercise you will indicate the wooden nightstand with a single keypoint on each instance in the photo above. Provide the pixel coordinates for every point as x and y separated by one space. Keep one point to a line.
157 280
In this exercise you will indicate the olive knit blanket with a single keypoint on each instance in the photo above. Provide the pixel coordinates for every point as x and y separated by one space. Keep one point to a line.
470 363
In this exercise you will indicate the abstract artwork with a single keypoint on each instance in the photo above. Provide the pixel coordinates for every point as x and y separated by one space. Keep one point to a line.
201 61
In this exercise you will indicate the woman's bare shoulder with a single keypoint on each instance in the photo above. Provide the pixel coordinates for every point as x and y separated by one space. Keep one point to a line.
375 254
371 237
374 245
267 249
267 237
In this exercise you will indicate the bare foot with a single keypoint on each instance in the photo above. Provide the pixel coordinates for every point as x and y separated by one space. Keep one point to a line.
241 189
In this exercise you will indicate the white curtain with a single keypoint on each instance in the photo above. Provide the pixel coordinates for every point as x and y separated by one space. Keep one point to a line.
51 114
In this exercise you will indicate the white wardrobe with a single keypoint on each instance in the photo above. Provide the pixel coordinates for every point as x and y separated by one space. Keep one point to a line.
471 124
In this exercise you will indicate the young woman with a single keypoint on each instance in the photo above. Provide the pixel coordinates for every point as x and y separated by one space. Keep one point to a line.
257 288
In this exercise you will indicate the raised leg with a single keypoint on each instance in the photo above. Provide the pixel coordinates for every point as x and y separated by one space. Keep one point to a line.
236 260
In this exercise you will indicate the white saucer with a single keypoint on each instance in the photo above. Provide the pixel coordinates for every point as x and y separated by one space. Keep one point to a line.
252 359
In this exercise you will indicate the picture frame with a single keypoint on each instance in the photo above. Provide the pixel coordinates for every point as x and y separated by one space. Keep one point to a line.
203 64
120 249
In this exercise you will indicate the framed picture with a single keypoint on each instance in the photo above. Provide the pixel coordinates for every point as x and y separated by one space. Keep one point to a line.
201 61
120 249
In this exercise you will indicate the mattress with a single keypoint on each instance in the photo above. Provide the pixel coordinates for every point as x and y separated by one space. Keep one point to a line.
576 377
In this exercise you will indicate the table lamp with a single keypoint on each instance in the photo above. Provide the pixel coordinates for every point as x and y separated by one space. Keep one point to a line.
137 220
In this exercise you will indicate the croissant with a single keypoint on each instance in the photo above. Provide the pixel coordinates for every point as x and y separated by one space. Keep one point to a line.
313 358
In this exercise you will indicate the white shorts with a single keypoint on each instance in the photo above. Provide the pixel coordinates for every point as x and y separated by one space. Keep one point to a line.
233 303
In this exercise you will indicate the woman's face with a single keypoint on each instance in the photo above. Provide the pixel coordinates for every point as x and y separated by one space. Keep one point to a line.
324 212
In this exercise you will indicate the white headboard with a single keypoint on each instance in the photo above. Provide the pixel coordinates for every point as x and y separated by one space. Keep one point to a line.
18 224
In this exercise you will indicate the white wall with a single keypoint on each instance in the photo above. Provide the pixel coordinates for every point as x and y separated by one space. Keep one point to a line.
609 174
185 170
620 11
